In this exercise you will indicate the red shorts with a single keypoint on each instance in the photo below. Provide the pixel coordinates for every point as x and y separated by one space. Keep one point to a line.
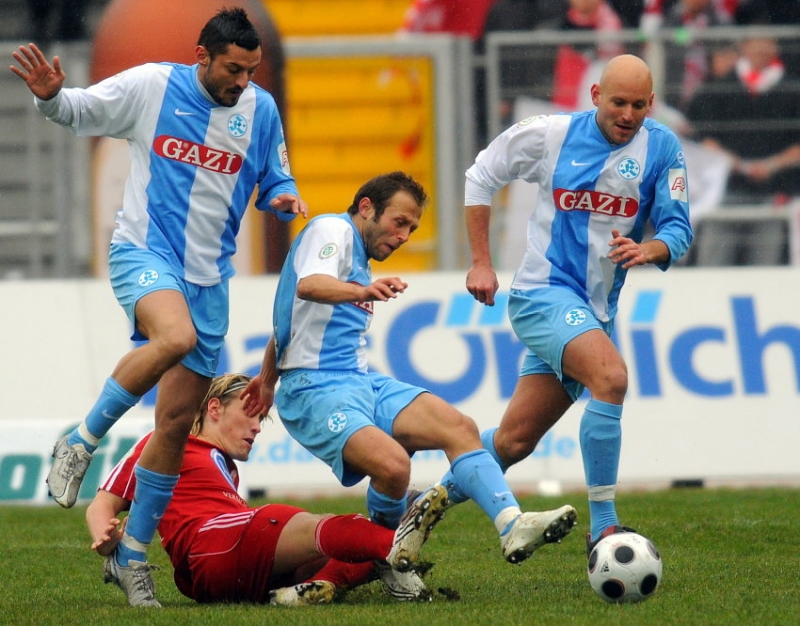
232 555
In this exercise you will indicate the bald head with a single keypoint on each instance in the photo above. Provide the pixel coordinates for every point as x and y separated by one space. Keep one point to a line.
623 97
628 70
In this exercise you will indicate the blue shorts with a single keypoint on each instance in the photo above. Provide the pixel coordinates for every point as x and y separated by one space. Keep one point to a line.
322 409
546 320
136 272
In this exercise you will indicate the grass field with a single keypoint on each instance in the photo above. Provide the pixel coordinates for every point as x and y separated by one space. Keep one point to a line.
731 557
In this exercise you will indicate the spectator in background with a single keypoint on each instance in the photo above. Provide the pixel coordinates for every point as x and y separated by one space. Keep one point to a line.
773 12
689 59
71 23
752 114
576 67
457 17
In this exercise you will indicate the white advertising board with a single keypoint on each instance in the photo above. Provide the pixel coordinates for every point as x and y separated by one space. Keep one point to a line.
713 358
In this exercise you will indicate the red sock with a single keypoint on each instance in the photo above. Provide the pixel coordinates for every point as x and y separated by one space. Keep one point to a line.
345 575
353 539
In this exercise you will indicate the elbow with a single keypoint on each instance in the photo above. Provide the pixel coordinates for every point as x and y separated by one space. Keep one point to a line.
305 290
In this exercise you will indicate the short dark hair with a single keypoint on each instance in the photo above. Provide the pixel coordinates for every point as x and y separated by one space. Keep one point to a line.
381 189
228 26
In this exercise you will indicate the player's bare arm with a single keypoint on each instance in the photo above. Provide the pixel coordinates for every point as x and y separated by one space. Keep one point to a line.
44 80
482 280
329 290
103 522
626 251
259 395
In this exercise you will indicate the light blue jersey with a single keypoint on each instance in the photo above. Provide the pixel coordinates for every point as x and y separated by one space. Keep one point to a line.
194 163
587 188
310 335
327 393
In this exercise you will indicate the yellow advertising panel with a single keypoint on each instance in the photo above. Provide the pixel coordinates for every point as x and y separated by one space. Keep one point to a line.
350 119
305 18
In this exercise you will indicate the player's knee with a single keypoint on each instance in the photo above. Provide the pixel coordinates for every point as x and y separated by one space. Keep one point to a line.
393 472
513 450
462 432
612 385
179 343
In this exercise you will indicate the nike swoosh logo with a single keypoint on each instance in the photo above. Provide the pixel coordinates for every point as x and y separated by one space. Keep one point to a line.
179 112
574 162
501 494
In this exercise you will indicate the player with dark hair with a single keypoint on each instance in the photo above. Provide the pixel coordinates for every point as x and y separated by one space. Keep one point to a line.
363 423
201 139
603 174
225 551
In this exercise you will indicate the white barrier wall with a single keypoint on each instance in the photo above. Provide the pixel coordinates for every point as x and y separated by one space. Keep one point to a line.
713 357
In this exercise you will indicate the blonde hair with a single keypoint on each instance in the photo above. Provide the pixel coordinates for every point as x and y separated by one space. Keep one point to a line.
223 388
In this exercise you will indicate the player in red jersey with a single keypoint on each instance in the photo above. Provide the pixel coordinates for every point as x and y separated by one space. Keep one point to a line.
226 551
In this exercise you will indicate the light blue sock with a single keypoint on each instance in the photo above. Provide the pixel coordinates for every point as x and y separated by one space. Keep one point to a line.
601 440
487 439
112 404
150 500
384 510
456 496
477 475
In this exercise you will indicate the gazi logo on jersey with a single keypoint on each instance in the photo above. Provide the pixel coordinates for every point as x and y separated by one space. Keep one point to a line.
369 307
197 154
595 202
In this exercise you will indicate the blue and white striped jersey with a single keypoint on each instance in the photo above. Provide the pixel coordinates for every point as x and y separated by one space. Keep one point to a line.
194 163
310 335
587 187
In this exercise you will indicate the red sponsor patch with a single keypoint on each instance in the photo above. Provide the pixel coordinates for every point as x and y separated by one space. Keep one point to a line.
369 307
197 154
679 184
595 202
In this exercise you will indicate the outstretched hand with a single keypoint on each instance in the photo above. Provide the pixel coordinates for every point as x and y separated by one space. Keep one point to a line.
110 537
289 203
383 289
44 80
628 253
257 397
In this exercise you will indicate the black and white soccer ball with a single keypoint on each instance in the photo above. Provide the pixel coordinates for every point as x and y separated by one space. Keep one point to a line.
625 567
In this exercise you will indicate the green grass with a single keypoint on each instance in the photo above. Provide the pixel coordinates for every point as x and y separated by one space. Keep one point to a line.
731 556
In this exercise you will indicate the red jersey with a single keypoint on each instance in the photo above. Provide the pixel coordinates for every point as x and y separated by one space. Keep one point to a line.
206 492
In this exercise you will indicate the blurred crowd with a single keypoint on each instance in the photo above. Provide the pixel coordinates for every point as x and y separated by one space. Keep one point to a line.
739 99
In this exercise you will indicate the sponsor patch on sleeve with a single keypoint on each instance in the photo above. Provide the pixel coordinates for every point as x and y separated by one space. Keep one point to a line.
677 185
328 250
283 155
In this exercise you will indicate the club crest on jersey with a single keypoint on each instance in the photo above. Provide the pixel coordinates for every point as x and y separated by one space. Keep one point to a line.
337 422
629 168
197 154
595 202
328 250
147 278
237 125
575 317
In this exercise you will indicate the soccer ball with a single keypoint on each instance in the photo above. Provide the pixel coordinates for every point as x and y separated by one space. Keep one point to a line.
625 567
